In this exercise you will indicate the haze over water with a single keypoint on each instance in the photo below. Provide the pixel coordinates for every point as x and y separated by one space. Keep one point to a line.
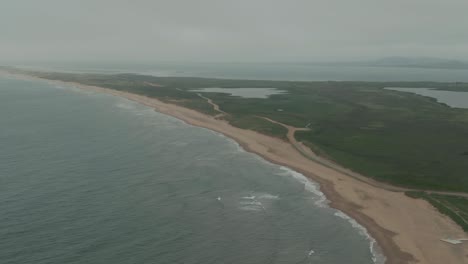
91 178
265 71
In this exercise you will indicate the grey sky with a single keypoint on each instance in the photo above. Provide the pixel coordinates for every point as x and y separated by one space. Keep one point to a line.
235 30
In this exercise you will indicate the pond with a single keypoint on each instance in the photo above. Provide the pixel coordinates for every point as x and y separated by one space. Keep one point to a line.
243 92
451 98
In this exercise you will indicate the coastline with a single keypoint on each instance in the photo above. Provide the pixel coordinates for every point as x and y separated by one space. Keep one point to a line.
406 229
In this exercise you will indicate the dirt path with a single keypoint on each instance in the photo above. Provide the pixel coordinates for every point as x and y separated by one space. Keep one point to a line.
215 107
408 230
451 208
306 152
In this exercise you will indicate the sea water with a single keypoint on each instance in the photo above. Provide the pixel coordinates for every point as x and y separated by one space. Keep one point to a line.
93 178
264 71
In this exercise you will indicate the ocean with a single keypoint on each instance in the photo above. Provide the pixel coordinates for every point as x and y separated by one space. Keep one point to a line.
93 178
263 71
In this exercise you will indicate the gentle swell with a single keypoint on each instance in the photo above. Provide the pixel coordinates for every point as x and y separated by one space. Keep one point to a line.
377 256
310 186
321 201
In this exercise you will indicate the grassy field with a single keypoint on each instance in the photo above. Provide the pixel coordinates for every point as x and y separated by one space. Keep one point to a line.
399 138
454 207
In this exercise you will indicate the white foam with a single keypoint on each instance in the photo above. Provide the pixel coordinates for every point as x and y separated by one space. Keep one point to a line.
69 87
237 145
61 87
183 144
256 203
320 198
321 201
250 203
126 105
251 208
148 115
267 196
312 187
377 256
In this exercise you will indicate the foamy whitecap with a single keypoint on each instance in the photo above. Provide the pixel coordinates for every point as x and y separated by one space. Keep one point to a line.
268 196
61 87
377 256
71 87
310 186
126 105
251 208
183 144
251 203
147 114
239 148
259 206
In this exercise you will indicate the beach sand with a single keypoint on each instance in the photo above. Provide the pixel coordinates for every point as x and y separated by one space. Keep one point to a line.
408 230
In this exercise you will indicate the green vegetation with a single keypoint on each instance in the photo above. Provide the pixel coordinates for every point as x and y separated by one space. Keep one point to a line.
452 206
259 125
399 138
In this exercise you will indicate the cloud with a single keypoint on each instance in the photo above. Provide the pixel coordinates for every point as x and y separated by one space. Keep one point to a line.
219 30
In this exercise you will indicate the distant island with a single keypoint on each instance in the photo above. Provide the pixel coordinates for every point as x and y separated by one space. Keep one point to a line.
408 62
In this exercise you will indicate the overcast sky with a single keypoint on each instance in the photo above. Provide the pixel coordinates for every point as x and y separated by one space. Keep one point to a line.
231 31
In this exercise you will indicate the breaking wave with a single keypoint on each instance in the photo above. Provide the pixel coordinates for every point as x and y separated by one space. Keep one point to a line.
310 186
377 255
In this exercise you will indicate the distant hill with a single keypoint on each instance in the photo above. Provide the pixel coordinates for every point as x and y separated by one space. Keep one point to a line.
419 62
409 62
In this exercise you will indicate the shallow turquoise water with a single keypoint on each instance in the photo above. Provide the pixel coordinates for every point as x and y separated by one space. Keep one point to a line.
91 178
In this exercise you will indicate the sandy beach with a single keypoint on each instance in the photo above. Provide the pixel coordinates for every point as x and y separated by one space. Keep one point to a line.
408 230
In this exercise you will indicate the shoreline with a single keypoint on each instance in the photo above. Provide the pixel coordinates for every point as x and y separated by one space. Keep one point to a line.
407 230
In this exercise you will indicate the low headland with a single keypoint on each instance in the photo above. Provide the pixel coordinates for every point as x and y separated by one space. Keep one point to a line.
371 150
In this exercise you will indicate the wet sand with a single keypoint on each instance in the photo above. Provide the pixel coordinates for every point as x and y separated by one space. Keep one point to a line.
408 230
